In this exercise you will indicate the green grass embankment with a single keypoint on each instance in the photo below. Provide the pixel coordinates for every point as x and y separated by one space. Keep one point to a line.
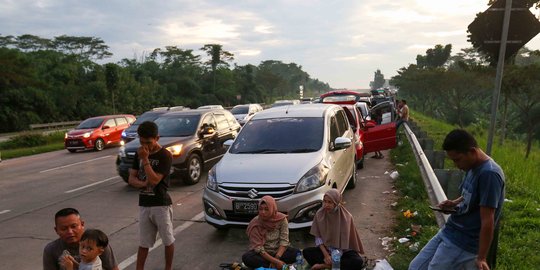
31 144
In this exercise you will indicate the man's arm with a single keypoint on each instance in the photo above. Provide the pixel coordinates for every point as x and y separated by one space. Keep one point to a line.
487 219
134 181
49 260
152 177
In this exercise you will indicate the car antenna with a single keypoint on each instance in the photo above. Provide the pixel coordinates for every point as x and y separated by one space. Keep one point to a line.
287 110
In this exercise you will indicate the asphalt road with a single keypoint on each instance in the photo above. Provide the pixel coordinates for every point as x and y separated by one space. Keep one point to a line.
33 188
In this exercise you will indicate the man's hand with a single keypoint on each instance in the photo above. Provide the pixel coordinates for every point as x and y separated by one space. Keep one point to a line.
328 259
481 264
143 152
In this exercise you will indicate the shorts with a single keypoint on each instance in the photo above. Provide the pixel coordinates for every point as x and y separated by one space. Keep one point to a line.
153 220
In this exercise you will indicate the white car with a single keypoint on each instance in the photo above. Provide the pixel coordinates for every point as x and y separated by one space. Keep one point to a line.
210 107
244 112
292 153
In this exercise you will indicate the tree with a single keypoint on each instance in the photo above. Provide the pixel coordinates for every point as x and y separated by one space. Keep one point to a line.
87 48
378 80
217 57
111 79
435 57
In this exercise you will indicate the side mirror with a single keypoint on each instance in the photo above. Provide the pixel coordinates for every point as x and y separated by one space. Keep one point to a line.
228 143
105 127
342 143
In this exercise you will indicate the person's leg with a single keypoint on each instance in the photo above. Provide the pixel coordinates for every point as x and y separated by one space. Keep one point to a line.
254 260
147 236
351 260
289 256
162 217
313 255
424 257
450 256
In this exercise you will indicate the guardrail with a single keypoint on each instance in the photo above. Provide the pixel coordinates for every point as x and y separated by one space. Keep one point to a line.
54 125
435 192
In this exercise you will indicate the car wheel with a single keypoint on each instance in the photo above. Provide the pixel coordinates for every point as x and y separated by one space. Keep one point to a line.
193 170
99 145
360 164
352 180
72 150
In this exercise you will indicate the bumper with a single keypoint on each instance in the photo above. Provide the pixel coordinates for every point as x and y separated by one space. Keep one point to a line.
123 165
78 144
300 208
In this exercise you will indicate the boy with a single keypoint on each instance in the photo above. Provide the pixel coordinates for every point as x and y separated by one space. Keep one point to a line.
92 244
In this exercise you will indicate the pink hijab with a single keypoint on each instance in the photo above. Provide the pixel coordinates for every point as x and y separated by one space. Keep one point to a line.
336 227
258 226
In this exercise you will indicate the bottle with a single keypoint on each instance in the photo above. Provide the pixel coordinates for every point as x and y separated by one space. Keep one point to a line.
299 261
336 259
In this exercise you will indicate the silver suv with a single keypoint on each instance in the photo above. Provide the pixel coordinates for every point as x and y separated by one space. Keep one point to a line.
292 153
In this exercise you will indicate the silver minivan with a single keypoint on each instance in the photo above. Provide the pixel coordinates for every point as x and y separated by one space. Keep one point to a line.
292 153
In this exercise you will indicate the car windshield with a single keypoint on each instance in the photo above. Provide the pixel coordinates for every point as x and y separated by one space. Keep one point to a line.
274 136
146 117
178 126
240 110
90 123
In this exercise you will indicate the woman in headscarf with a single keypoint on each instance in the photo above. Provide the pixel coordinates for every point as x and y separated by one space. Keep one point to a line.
269 238
333 228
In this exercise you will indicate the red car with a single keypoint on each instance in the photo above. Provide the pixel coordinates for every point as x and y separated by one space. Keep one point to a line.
97 132
370 136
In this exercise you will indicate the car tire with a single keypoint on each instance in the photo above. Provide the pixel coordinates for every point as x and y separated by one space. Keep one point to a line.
352 181
72 150
99 145
360 164
194 165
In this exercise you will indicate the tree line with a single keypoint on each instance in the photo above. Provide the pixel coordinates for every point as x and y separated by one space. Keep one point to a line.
50 80
458 89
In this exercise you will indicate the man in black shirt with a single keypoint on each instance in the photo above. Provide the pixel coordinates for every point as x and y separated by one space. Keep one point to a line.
150 173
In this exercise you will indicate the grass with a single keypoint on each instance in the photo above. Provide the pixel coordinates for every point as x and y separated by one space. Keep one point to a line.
519 237
51 142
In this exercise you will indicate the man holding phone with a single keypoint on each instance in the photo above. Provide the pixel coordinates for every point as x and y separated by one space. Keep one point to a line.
150 173
464 241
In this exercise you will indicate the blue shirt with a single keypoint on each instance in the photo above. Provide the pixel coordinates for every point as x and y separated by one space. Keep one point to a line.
482 186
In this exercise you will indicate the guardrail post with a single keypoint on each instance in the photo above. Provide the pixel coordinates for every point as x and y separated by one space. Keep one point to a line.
436 158
450 181
426 143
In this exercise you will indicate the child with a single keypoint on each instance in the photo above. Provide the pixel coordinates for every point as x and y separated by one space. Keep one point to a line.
92 244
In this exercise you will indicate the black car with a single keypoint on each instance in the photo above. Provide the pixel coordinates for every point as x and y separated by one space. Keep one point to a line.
130 133
195 139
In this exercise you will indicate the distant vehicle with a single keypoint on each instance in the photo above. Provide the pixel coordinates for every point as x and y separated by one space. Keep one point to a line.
207 107
306 100
294 154
337 95
97 132
194 138
278 103
131 132
244 112
364 109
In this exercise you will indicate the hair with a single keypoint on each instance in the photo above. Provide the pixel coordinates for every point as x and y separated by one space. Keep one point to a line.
460 141
147 129
97 236
404 101
66 212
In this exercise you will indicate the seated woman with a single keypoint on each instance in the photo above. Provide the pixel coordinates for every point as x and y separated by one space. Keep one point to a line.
333 228
269 238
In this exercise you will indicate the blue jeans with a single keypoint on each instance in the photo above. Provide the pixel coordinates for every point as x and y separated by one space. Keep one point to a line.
440 253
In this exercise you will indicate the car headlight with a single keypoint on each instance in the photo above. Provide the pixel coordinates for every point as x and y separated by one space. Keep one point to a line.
122 152
123 134
65 135
211 182
313 179
87 134
175 150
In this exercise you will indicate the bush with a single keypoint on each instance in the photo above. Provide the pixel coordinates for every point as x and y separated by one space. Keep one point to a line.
24 140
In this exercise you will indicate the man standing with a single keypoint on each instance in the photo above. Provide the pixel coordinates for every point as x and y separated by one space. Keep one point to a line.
150 173
403 113
464 241
69 226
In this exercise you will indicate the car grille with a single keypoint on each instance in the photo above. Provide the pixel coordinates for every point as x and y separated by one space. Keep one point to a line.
256 191
128 159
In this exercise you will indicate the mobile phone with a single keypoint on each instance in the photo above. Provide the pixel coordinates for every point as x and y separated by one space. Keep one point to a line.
436 208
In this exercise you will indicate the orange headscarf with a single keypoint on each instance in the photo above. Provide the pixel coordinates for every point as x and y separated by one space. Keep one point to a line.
258 226
336 227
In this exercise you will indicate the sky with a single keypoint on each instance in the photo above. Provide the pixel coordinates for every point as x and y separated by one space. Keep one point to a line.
339 42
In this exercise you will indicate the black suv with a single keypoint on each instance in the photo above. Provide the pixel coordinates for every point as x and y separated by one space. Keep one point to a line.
195 139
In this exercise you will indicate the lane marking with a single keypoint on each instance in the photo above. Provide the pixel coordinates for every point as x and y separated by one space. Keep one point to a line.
133 258
93 184
73 164
5 211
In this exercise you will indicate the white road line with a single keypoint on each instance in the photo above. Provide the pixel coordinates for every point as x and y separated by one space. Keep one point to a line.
93 184
73 164
5 211
133 258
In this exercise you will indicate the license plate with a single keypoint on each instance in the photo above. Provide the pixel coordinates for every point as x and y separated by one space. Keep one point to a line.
72 142
245 207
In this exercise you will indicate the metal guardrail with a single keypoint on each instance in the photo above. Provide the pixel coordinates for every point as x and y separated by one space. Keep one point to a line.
433 187
54 125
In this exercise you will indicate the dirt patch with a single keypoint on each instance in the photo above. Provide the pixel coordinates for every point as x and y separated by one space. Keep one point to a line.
370 204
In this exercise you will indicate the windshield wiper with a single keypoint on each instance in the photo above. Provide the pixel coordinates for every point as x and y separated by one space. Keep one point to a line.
303 150
262 151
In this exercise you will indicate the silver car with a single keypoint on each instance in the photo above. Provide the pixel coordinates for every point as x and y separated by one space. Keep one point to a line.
292 153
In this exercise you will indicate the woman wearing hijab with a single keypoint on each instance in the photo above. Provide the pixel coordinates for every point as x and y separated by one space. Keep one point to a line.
269 238
333 228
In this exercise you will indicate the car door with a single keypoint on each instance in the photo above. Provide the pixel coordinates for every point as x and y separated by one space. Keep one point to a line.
209 142
346 161
108 130
224 132
121 124
383 136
